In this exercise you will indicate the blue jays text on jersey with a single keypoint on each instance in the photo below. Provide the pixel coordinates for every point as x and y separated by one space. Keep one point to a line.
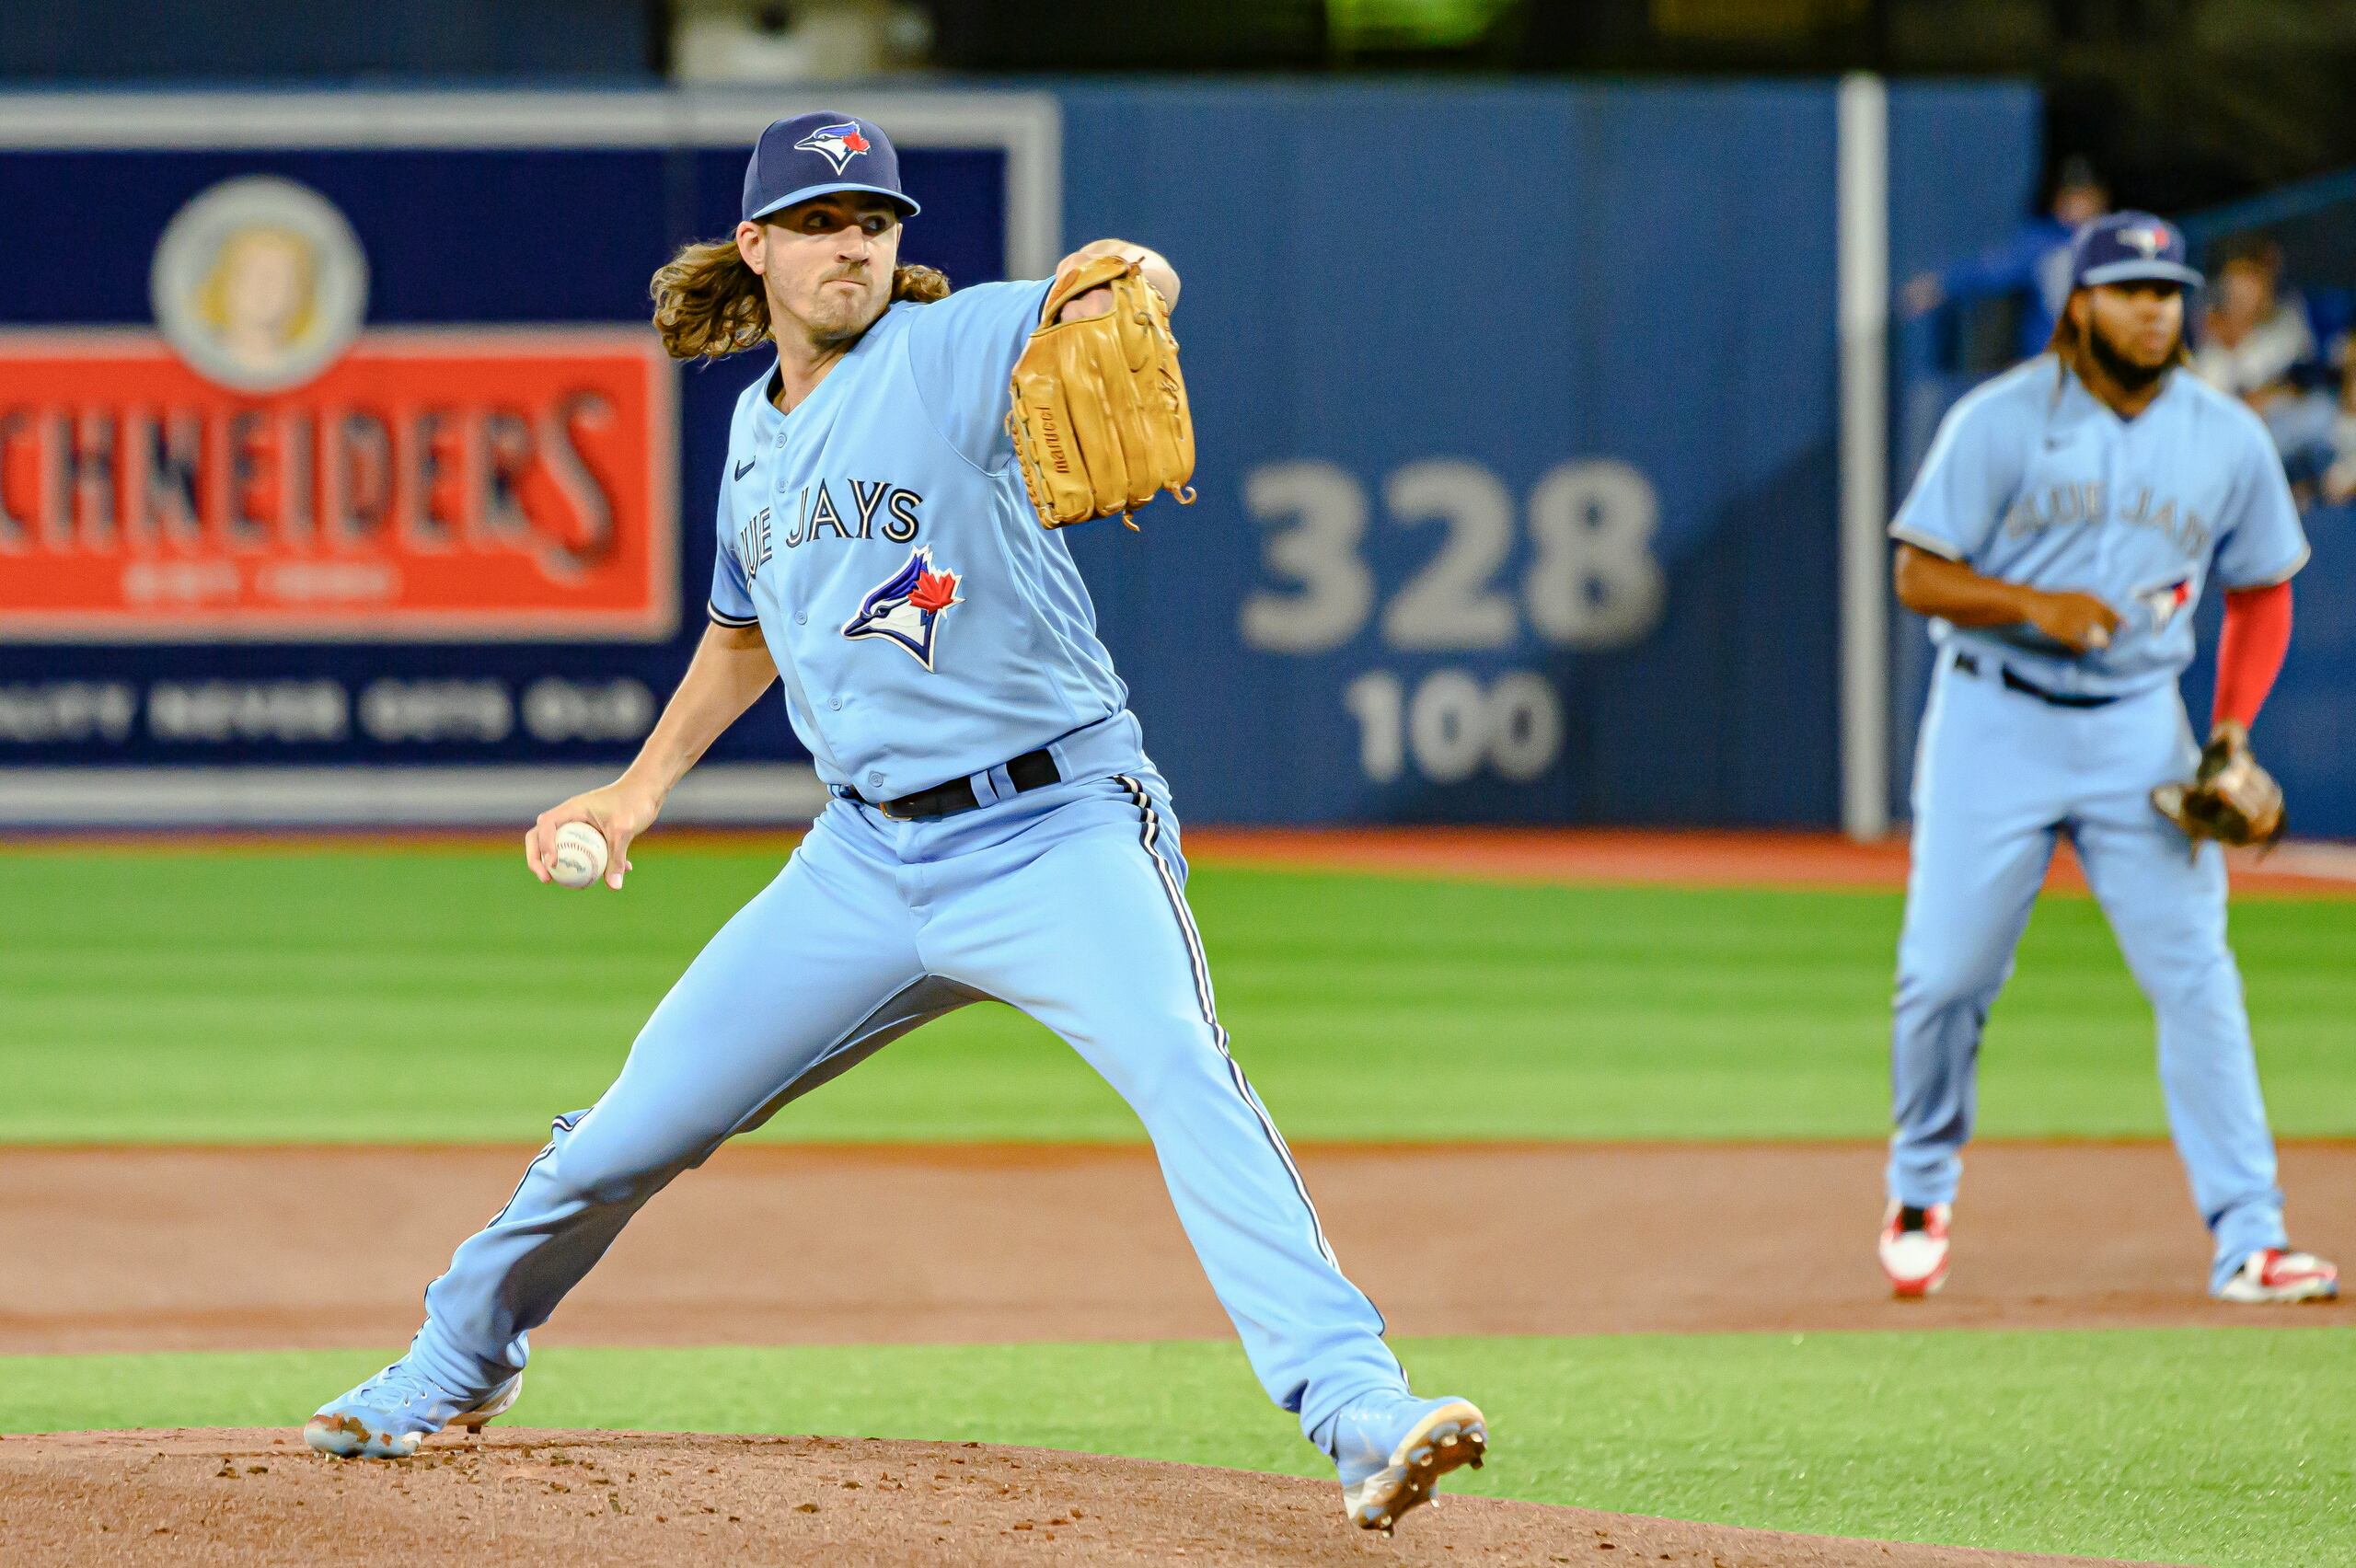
924 625
877 508
2034 480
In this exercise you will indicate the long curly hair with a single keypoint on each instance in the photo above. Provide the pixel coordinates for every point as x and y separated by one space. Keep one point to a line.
709 304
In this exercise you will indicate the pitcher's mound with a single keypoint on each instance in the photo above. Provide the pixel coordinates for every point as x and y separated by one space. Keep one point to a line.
582 1499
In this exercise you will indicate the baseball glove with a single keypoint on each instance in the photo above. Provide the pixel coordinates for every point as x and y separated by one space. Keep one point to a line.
2230 798
1099 419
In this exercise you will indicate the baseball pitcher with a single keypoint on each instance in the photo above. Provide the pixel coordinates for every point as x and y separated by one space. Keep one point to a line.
887 552
2068 519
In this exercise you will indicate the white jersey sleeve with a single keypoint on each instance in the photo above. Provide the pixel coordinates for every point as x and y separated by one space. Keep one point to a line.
731 598
961 351
2262 542
1968 479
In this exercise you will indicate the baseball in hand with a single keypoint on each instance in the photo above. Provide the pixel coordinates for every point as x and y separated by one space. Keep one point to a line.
580 855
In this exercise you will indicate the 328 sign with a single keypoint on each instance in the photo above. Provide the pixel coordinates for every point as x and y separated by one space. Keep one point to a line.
1590 580
1587 579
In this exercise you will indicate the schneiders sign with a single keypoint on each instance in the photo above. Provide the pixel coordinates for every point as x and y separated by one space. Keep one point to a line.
263 465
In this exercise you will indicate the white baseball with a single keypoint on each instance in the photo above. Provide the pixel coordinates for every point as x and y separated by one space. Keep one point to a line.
580 855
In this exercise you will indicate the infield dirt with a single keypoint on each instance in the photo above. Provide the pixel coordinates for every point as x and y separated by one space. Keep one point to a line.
245 1248
578 1500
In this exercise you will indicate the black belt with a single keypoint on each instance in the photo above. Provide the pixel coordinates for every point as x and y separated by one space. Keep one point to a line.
1031 770
1969 665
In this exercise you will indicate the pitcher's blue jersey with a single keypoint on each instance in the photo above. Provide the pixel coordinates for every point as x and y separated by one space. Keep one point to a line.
2034 480
924 625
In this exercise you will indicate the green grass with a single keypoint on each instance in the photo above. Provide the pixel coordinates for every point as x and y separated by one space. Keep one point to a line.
2225 1446
435 994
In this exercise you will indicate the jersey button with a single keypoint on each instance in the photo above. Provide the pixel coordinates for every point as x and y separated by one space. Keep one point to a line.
875 781
836 703
801 618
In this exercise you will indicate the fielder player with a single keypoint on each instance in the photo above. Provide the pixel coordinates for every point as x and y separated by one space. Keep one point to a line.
996 830
2069 515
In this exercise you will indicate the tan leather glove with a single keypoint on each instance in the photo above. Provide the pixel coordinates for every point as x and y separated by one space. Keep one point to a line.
1100 420
2230 798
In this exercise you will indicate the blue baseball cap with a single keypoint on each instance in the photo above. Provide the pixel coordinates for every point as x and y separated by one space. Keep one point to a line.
2130 247
817 153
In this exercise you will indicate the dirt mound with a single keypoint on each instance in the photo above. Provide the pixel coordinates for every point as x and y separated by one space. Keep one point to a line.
580 1499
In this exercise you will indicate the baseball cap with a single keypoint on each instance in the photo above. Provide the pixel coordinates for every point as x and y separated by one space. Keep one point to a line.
816 153
2127 248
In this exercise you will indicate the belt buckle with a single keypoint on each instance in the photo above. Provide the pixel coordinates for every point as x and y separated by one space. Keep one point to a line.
889 814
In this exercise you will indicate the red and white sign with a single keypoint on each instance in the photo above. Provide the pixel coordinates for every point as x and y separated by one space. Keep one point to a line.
471 484
264 468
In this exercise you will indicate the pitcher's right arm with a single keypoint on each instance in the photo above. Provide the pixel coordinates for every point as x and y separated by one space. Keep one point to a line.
732 668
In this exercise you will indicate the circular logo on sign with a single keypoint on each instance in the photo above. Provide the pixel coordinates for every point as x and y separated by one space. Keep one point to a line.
260 283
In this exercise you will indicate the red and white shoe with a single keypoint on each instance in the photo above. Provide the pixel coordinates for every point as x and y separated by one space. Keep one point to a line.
2279 1274
1915 1258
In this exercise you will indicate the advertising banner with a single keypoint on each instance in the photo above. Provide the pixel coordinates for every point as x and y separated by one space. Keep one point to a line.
339 461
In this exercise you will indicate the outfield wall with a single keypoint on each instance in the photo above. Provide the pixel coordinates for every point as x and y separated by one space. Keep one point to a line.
1518 410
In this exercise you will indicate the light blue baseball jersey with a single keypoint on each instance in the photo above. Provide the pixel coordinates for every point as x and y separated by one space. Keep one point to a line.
2034 480
925 627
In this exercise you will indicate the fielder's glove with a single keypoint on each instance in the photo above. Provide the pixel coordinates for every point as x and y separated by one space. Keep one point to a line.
2231 799
1100 421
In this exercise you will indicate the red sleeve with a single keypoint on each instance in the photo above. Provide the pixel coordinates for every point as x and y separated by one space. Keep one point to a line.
2250 649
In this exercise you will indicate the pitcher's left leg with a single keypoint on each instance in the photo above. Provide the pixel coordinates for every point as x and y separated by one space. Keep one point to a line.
2166 907
1080 920
1090 936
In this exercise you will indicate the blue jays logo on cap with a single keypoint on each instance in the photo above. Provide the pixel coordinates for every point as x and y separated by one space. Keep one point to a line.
2128 248
837 143
904 609
816 154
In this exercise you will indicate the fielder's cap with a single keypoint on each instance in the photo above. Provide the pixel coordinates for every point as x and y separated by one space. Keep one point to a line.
2130 247
816 154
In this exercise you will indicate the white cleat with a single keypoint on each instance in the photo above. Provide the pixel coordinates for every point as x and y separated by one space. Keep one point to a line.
2278 1276
387 1416
1392 1453
1915 1258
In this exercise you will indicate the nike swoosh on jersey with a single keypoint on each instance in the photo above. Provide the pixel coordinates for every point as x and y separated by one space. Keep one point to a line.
744 468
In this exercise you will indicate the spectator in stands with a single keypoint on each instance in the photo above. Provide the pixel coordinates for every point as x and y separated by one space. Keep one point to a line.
2034 264
2255 342
2339 480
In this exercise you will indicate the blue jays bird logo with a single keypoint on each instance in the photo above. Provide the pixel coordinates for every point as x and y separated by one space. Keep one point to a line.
2148 238
906 609
2165 600
837 143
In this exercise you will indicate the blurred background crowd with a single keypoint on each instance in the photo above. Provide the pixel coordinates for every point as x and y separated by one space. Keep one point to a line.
2281 347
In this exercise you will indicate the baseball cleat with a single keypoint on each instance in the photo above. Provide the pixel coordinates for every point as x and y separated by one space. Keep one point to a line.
2279 1274
1914 1250
387 1416
1391 1449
